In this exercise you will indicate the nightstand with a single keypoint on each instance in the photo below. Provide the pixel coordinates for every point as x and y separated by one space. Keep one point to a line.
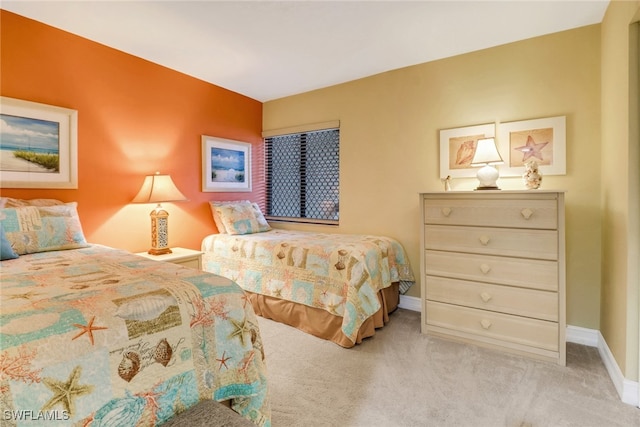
185 257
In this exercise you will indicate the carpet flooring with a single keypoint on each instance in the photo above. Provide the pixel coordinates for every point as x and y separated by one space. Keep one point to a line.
400 377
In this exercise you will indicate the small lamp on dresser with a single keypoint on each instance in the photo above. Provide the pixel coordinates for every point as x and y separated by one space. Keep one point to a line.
159 189
487 155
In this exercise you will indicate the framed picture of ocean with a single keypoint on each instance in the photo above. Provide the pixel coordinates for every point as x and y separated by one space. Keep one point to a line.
226 164
38 145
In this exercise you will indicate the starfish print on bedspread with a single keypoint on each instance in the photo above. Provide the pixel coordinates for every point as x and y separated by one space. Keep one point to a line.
531 149
245 299
223 360
88 329
65 392
240 328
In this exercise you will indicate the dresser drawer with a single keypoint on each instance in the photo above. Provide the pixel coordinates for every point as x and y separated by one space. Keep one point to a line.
518 272
516 242
518 213
514 329
505 299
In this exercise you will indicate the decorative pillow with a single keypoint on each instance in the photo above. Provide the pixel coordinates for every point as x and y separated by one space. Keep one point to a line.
262 221
10 202
6 251
241 219
216 214
32 229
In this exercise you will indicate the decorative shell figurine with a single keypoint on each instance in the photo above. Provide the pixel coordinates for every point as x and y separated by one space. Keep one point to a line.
532 176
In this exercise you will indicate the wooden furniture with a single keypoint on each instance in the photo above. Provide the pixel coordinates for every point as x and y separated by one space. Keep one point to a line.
186 257
493 270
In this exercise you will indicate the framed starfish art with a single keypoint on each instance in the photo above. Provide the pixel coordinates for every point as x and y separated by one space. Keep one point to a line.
542 140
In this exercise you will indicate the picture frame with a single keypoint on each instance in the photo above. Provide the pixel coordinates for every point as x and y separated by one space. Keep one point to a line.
226 165
457 147
38 145
542 140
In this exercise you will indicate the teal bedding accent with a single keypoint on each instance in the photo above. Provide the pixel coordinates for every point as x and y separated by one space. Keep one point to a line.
102 337
6 251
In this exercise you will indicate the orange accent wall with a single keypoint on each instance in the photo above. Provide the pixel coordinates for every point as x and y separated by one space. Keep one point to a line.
134 118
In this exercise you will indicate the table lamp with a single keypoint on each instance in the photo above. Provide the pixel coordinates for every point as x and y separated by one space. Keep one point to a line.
487 155
158 189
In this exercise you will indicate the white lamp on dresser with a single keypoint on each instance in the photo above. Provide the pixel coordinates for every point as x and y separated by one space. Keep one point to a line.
486 156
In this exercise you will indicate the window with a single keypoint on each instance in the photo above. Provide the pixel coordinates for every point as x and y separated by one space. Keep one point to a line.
303 175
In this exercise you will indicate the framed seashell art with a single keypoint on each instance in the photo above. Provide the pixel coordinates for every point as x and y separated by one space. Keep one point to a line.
457 147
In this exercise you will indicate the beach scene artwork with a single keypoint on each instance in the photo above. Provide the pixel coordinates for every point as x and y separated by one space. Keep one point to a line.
227 165
29 145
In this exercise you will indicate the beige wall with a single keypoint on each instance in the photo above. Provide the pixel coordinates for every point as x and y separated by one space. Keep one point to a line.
390 140
620 188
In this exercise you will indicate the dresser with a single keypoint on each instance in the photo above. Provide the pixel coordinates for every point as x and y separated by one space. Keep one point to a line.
493 270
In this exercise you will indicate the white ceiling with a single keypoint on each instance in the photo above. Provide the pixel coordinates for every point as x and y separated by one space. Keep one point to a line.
271 49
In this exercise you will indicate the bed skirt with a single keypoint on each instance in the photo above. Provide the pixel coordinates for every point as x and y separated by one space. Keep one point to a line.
321 323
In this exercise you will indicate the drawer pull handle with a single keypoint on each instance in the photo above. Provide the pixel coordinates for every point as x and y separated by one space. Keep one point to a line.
486 324
526 213
446 211
484 240
485 297
485 268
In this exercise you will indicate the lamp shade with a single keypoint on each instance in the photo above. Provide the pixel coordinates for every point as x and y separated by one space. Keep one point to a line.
158 189
486 153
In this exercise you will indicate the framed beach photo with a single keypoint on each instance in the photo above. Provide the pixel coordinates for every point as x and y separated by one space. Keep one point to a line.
226 165
457 147
38 145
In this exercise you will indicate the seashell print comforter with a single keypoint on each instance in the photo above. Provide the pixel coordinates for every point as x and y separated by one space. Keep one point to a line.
102 337
339 273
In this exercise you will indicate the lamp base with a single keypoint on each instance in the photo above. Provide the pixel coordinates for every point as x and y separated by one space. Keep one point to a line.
159 232
487 177
162 251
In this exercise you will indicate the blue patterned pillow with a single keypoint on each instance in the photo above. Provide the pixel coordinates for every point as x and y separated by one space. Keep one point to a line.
215 210
6 251
32 229
243 219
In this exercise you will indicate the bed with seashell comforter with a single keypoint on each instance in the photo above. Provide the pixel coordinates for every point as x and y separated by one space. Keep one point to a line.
339 287
96 336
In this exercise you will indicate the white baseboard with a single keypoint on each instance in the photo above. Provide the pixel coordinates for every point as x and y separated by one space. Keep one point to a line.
410 303
584 336
627 390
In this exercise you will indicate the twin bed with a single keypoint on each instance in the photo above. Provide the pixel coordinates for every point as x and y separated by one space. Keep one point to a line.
95 336
339 287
